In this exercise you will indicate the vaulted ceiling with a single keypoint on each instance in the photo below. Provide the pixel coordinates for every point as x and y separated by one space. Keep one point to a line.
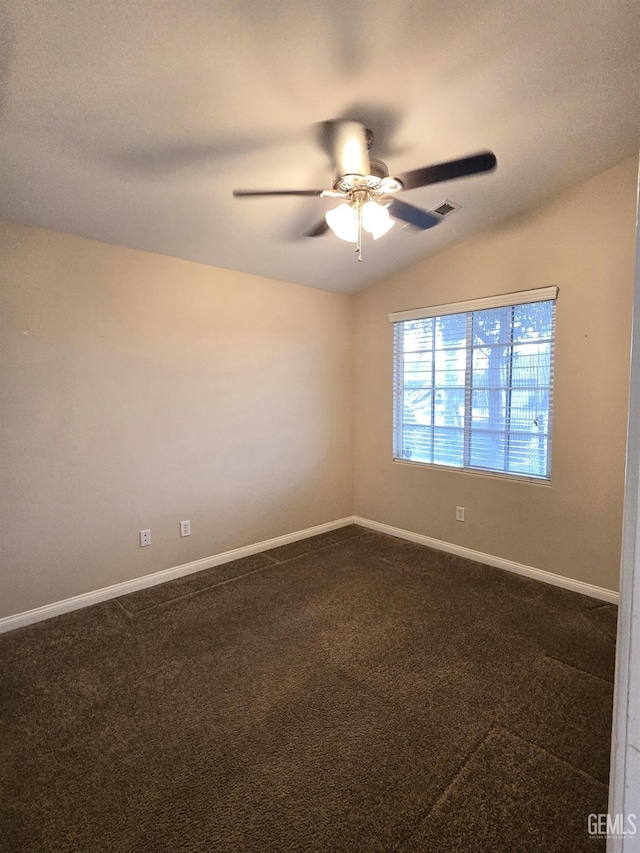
131 121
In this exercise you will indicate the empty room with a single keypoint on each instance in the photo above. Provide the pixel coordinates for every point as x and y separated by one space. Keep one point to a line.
319 427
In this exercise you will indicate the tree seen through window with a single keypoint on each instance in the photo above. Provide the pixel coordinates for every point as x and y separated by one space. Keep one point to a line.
476 389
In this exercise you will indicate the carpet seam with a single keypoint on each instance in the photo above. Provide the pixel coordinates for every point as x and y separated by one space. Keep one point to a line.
313 550
597 627
272 564
272 559
494 728
422 816
578 668
552 755
599 606
204 589
124 609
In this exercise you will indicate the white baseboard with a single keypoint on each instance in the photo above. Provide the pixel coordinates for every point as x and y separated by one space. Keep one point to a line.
499 562
19 620
47 611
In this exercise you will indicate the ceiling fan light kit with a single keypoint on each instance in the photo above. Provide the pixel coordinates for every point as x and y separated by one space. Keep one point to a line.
368 191
347 220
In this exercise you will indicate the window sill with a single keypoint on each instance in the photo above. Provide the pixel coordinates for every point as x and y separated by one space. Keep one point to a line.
522 478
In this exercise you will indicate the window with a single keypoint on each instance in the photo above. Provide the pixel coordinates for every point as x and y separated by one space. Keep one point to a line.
473 384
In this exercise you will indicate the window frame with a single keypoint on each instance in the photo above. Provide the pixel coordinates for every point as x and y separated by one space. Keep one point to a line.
469 307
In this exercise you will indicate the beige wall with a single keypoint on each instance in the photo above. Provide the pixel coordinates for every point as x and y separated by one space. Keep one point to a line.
584 242
139 390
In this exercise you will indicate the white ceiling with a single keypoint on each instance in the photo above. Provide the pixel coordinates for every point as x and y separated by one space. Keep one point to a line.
130 121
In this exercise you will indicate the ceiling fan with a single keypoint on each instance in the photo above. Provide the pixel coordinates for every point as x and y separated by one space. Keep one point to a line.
367 191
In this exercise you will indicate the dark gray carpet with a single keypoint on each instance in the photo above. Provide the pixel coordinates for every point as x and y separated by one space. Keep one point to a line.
347 693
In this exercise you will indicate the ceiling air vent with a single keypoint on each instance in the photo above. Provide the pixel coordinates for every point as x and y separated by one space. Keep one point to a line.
446 208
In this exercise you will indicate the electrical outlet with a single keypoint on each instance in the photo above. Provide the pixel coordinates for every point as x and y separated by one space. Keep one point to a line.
185 528
145 538
459 513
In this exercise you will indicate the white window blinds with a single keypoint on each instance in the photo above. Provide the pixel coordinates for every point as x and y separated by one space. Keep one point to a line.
473 383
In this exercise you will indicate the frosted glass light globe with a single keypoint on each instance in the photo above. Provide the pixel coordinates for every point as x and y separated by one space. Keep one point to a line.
376 219
343 221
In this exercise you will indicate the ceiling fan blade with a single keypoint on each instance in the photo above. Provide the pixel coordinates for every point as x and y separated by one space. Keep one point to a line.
485 161
421 219
249 193
350 147
318 230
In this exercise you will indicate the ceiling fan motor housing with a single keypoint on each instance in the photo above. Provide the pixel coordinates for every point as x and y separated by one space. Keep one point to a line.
377 182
